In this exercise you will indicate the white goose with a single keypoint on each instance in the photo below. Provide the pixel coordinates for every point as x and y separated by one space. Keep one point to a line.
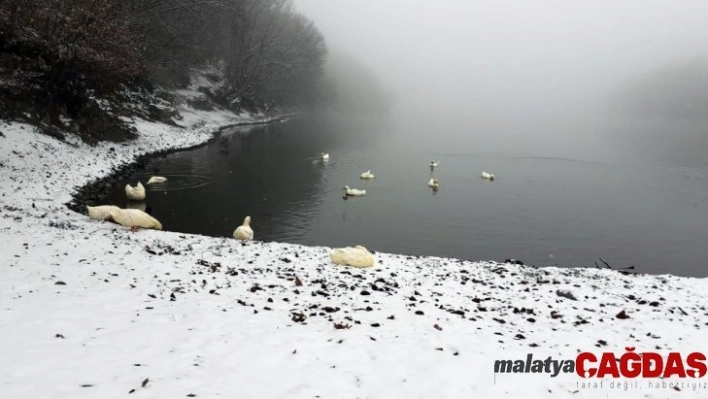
156 180
367 175
434 164
357 257
244 232
434 183
134 218
489 176
325 157
136 193
102 212
354 192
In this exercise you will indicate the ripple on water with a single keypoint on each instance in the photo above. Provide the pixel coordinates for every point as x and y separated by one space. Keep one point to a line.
338 159
181 182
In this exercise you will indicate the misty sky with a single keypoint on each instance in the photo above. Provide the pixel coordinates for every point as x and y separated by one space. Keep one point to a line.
510 54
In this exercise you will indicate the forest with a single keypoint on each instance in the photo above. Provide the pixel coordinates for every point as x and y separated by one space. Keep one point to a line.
92 61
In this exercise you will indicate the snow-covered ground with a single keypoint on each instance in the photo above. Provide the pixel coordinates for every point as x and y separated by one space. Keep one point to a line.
89 309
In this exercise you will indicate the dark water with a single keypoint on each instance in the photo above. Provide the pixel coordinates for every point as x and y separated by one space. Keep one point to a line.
566 192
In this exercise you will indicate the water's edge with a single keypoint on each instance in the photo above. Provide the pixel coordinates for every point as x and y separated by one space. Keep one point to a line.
93 192
96 192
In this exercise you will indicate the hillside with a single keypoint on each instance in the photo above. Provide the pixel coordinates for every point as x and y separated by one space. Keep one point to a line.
84 65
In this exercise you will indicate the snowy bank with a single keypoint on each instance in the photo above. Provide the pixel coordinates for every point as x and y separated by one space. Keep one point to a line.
92 310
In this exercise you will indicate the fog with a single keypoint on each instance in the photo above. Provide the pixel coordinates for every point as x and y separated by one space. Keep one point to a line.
508 53
501 63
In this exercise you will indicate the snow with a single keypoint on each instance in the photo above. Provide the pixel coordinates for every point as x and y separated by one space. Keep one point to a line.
87 309
65 121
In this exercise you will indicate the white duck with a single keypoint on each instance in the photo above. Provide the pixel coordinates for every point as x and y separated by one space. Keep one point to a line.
136 205
157 180
489 176
135 218
354 192
102 212
357 257
244 232
434 183
325 157
434 164
136 193
367 175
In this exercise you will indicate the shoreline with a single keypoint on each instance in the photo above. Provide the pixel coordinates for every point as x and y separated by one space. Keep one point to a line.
82 195
92 310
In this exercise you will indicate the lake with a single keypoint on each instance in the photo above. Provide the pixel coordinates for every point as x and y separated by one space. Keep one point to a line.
567 190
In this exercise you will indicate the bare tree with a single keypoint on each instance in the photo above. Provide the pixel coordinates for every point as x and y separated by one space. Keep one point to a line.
179 33
273 53
57 56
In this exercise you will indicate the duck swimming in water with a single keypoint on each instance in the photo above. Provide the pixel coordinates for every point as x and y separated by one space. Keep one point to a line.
488 176
136 193
354 192
367 175
156 180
